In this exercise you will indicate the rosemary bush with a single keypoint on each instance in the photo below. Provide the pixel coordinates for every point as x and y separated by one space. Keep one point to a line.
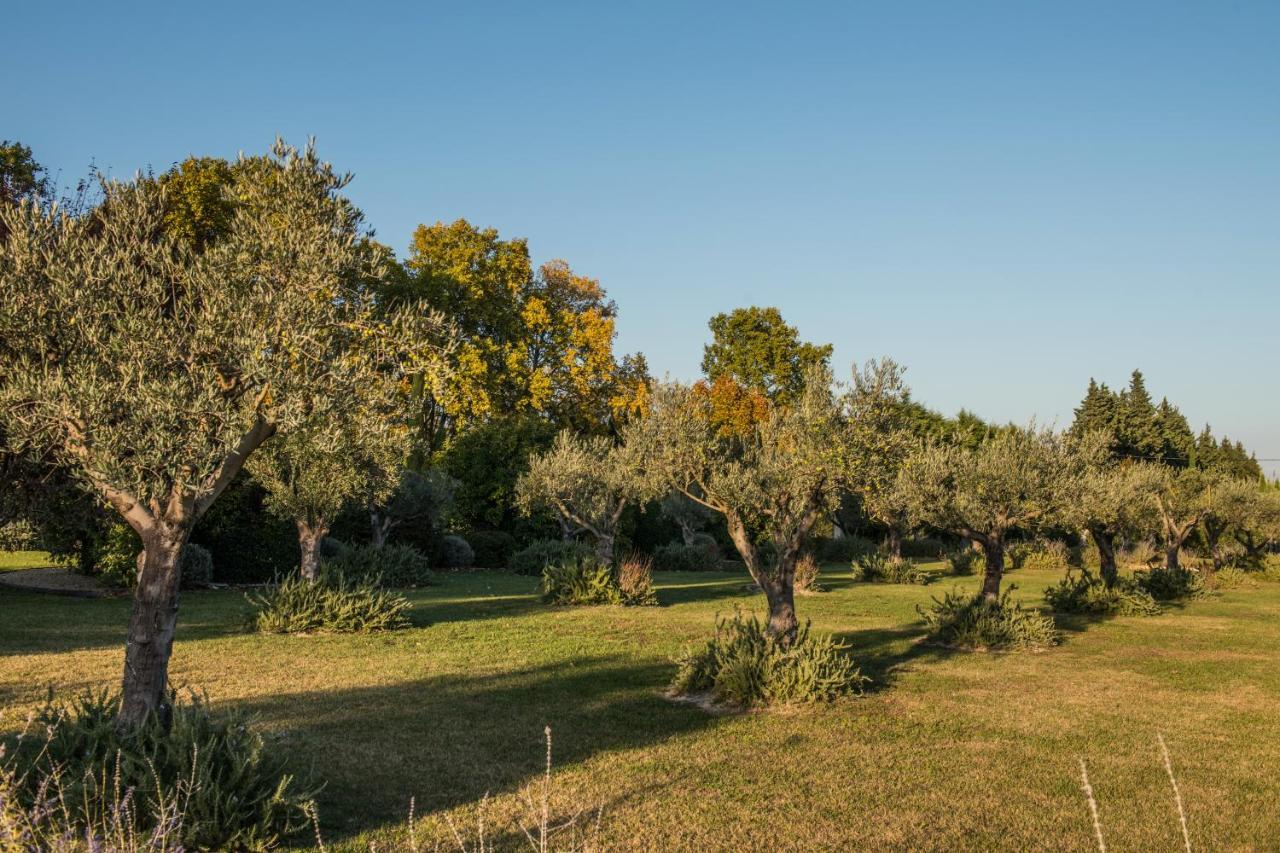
331 605
742 666
967 621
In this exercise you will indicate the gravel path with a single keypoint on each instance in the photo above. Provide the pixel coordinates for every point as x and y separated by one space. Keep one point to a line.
58 581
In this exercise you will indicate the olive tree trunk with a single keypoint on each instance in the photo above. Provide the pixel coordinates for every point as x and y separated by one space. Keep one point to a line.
149 642
379 527
1106 542
779 584
893 542
993 551
310 534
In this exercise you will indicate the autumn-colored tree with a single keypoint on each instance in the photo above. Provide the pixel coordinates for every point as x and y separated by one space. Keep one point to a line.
531 341
155 371
1020 479
758 350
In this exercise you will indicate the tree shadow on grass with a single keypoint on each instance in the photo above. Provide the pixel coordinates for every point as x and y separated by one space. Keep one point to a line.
447 741
885 654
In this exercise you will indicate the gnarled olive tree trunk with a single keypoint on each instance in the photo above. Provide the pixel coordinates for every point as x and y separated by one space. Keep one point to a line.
149 642
778 583
310 535
1106 542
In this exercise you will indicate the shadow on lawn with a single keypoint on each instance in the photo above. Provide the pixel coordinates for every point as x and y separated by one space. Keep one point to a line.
448 741
884 654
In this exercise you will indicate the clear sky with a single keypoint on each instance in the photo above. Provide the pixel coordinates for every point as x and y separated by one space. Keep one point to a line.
1007 197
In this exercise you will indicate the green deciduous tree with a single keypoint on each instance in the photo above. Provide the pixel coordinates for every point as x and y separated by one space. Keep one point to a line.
1020 479
155 371
756 349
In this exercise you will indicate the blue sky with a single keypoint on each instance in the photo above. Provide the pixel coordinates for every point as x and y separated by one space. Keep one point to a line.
1007 197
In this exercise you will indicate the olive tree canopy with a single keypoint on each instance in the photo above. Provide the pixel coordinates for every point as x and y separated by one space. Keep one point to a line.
771 480
154 370
1019 479
586 481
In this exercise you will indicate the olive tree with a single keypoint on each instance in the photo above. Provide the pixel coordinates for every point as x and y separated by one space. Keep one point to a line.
1108 500
1261 530
586 481
1181 497
875 404
154 370
315 472
1234 509
1020 479
771 482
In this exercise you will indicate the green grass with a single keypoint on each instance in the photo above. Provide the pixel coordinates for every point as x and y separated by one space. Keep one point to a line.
947 751
13 561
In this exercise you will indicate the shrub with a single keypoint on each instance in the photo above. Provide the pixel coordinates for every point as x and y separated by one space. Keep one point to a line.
806 579
635 580
1038 556
197 566
702 556
390 565
115 559
846 549
742 666
1165 584
332 605
331 548
583 580
209 782
1270 568
1234 578
533 559
877 568
963 620
492 548
1085 592
454 552
1139 554
922 547
962 560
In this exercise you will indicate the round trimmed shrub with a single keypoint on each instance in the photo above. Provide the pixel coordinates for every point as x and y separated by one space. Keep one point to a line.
541 553
390 565
454 552
492 548
197 566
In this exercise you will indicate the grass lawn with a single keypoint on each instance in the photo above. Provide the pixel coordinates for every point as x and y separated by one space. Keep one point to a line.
947 750
13 561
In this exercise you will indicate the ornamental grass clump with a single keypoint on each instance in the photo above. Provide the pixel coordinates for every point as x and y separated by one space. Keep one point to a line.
1085 592
980 623
742 666
74 780
634 577
389 566
331 605
877 568
806 579
1171 584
